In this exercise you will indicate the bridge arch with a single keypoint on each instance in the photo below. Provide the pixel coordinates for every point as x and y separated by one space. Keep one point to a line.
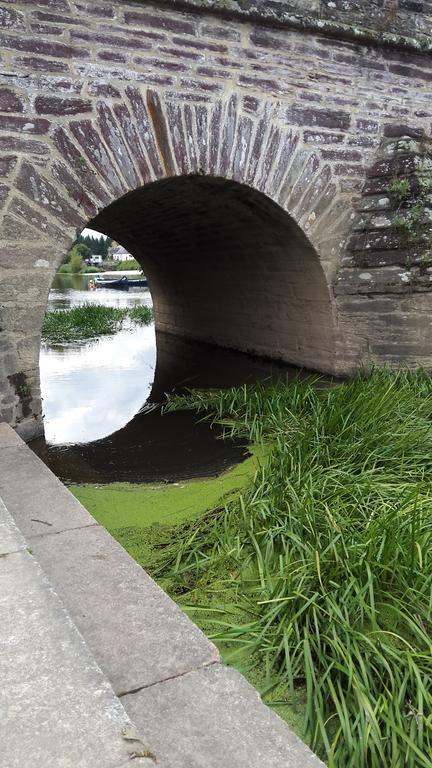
99 100
138 171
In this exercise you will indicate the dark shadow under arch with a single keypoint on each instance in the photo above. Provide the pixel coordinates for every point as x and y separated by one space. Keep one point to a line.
227 266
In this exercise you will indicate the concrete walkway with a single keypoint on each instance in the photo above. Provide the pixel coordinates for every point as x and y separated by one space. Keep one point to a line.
98 667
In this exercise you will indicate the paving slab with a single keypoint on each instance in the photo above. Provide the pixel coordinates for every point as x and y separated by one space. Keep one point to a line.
11 539
36 499
57 710
137 634
212 718
9 438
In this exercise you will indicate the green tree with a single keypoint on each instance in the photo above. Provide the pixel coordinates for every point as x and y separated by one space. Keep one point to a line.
83 250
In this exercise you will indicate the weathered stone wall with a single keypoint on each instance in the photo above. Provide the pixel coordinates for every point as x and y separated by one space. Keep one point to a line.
98 99
404 23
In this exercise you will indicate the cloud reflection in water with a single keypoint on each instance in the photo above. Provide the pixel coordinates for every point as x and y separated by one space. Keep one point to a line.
90 390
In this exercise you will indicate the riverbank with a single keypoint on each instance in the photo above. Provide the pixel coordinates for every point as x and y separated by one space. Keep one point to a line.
89 321
316 574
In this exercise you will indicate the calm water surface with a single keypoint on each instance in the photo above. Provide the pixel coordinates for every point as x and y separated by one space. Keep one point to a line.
96 394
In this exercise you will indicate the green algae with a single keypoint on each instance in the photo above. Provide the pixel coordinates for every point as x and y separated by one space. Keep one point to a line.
148 520
126 505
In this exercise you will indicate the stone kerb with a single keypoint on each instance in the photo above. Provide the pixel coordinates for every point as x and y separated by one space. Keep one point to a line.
188 708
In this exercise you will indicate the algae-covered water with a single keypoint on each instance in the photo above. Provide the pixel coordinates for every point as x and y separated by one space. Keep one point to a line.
147 518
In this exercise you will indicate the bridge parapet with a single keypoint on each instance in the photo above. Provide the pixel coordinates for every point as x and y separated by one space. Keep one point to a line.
396 23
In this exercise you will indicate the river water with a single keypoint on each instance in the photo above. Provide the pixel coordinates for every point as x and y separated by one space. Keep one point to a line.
102 421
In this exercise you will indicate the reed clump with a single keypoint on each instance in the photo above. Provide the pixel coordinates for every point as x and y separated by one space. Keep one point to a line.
90 320
329 558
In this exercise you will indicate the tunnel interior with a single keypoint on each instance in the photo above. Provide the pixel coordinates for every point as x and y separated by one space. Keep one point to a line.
227 266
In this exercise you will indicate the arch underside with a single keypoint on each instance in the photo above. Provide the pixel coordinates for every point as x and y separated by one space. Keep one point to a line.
227 266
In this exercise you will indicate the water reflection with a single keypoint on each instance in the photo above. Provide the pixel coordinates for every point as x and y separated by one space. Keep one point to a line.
92 389
93 394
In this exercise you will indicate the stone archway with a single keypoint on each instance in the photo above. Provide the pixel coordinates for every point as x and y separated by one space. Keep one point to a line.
128 144
227 266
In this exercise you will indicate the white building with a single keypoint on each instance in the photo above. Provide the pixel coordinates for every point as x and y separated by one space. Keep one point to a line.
95 259
120 254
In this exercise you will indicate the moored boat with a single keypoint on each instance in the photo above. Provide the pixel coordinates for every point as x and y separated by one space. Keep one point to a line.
121 283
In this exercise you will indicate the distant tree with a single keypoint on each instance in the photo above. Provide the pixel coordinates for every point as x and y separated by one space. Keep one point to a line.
83 250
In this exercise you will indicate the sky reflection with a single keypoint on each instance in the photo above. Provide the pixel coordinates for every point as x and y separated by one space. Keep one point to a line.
91 389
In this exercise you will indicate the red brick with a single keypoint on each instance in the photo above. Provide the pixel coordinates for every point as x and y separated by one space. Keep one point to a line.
35 218
162 21
263 39
59 50
50 105
104 89
169 66
341 154
324 118
75 191
100 11
10 102
36 188
223 32
144 126
160 131
24 125
43 65
112 40
7 164
24 146
112 56
75 160
56 18
115 142
57 5
184 54
93 146
11 19
46 29
132 139
323 138
178 139
199 45
4 191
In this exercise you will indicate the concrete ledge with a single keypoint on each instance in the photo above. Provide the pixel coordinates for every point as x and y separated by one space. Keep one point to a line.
138 635
57 708
190 709
213 718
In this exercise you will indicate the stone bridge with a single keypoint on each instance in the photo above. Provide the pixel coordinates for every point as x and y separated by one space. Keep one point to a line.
266 162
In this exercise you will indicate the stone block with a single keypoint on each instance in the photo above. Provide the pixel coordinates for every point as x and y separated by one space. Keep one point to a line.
11 539
37 500
137 634
57 707
213 718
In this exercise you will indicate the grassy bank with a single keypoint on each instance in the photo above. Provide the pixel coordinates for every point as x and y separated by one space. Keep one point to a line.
90 320
316 576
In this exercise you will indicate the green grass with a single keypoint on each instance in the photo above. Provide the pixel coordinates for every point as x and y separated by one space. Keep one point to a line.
327 558
90 320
